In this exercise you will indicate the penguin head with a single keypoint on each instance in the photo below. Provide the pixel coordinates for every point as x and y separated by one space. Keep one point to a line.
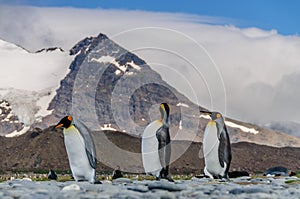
164 109
64 122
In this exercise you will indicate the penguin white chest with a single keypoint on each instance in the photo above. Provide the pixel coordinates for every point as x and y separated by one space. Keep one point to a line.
78 160
150 155
211 150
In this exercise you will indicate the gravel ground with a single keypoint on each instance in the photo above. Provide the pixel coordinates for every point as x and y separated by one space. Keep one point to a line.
244 187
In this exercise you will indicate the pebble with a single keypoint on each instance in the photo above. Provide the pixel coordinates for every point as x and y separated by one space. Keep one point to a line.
165 186
72 187
243 188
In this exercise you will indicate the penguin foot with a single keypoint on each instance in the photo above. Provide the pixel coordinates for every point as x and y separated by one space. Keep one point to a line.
169 179
223 180
96 181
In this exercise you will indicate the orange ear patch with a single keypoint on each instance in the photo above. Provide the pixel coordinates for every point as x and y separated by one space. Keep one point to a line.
218 115
70 118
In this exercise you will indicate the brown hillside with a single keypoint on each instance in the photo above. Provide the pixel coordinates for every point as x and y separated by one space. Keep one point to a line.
43 150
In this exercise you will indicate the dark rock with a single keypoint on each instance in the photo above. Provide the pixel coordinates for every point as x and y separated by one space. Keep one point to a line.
36 132
50 49
236 174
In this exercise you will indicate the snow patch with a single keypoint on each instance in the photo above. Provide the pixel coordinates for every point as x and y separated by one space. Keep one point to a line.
104 59
133 65
112 60
18 133
234 125
118 72
108 127
7 118
129 73
182 105
243 128
205 117
180 125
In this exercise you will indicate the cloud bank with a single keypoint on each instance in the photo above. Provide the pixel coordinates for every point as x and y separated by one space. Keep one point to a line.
249 74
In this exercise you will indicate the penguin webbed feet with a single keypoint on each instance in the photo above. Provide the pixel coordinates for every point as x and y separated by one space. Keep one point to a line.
169 179
224 178
165 177
96 181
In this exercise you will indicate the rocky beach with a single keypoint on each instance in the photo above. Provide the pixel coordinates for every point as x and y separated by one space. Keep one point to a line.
243 187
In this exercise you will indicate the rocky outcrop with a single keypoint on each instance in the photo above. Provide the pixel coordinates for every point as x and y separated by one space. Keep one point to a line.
9 122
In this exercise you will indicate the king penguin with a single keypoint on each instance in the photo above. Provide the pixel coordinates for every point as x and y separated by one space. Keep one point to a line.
80 149
216 147
156 147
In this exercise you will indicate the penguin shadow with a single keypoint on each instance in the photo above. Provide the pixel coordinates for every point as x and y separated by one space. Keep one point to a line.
231 174
218 179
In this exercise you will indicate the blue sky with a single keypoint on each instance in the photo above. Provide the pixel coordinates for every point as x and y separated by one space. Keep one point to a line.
282 15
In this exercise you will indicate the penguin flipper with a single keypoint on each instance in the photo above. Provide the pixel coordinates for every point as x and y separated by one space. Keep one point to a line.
164 149
91 158
224 150
89 143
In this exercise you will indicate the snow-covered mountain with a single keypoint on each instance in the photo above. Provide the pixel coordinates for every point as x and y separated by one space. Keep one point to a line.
105 86
28 82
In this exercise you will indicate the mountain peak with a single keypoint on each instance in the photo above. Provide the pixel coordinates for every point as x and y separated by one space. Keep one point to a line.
87 44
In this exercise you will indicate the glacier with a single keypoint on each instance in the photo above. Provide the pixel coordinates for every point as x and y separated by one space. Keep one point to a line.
28 81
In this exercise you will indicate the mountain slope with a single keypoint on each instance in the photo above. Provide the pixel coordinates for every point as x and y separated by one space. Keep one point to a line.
105 86
291 128
109 85
43 150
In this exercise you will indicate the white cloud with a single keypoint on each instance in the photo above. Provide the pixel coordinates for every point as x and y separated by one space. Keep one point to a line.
260 69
